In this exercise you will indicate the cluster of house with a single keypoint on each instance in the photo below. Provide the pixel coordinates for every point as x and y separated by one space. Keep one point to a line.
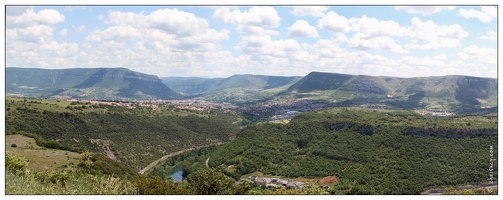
276 182
285 114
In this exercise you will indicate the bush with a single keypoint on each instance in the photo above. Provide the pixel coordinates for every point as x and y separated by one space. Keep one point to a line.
13 145
15 164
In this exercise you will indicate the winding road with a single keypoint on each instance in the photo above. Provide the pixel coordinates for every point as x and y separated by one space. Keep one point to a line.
152 164
207 162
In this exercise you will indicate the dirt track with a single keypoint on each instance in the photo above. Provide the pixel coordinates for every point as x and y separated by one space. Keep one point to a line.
152 164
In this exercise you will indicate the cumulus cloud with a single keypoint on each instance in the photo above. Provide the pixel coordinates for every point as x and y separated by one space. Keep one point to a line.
371 27
334 22
429 35
81 28
30 18
63 33
317 11
262 46
302 28
489 35
175 28
486 14
383 43
474 53
254 30
116 33
255 16
326 48
424 10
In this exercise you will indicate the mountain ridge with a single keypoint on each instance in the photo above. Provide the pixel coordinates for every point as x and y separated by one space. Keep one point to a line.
96 83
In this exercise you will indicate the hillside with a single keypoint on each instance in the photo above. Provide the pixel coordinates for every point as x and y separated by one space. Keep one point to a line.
133 135
460 94
194 85
86 83
370 151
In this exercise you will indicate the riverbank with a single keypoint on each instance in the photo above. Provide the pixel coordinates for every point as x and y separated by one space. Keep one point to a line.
152 164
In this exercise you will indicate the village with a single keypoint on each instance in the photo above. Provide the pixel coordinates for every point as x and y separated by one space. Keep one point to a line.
278 183
275 182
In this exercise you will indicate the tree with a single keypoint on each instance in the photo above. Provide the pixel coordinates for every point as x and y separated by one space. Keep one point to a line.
211 181
86 159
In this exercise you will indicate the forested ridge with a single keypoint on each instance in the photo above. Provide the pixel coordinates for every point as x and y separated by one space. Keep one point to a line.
366 149
134 136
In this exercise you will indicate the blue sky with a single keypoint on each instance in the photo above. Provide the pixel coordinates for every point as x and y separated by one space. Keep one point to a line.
216 41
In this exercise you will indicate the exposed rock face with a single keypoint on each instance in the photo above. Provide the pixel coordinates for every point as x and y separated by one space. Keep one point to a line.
450 133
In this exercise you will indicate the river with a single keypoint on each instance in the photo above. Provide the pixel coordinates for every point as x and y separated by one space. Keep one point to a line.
176 173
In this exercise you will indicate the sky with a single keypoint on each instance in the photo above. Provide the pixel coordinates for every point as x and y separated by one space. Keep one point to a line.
220 41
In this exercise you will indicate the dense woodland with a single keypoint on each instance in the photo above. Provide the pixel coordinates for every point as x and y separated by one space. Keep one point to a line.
134 136
366 150
369 151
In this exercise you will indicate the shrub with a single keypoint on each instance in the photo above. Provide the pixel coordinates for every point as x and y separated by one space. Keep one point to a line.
13 145
15 164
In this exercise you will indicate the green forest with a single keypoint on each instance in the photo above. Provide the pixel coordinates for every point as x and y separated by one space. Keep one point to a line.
370 151
135 135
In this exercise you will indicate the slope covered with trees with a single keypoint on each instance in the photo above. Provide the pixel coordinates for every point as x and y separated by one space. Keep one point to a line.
369 151
87 83
134 136
460 94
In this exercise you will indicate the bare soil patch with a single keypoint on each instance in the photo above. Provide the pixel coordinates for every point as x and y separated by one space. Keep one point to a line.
329 180
39 158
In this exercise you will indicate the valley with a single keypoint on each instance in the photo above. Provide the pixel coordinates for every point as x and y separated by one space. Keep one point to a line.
368 135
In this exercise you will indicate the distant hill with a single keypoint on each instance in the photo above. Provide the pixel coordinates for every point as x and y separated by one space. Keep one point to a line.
194 85
190 85
86 83
452 93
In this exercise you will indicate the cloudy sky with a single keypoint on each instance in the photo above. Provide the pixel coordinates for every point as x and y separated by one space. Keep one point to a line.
216 41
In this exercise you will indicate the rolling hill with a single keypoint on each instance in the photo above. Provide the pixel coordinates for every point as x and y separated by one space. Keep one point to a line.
195 85
462 94
86 83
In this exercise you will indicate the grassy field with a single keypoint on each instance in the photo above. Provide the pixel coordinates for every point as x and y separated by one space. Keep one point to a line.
39 159
47 104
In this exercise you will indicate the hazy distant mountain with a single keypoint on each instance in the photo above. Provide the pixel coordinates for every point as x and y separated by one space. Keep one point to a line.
88 83
194 85
459 91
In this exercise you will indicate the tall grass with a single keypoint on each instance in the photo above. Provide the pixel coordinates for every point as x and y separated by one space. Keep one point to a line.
18 180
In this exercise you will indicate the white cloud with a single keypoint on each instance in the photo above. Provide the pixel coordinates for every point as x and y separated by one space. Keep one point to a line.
170 21
63 33
34 34
302 28
424 10
486 14
255 16
254 30
370 27
383 43
326 48
30 18
175 28
476 54
81 28
334 23
429 35
489 35
116 33
317 11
